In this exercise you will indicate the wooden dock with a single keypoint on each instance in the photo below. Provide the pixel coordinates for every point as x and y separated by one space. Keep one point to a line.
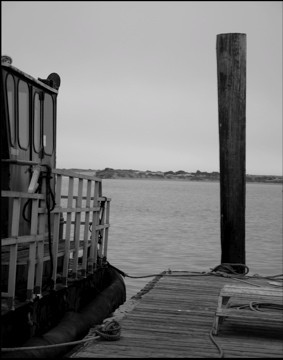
173 317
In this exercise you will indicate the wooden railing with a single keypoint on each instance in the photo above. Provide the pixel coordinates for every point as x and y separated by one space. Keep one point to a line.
34 241
79 225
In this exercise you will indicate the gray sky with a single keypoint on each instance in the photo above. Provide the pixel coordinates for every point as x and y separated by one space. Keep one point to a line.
139 79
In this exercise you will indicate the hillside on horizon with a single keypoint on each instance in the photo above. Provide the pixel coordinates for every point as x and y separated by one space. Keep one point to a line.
110 173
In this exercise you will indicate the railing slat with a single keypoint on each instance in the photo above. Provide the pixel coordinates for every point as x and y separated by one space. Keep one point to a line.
106 231
77 229
13 253
86 228
92 260
73 174
24 239
101 232
32 250
12 275
84 197
68 231
18 194
40 245
56 229
74 209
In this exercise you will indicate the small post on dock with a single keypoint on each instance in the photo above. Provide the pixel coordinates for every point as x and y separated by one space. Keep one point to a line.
231 77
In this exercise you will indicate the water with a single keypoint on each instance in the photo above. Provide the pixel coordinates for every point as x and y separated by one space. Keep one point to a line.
156 225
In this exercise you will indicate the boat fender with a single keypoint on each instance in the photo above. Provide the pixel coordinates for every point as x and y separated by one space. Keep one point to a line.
75 325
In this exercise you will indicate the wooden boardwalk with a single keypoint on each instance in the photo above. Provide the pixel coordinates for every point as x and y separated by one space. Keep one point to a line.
173 317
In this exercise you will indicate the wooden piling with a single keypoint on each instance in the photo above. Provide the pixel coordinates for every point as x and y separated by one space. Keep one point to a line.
231 77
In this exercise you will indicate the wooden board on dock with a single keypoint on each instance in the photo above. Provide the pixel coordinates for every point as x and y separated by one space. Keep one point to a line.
175 318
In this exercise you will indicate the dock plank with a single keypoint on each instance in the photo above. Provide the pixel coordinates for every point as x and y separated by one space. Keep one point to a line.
174 318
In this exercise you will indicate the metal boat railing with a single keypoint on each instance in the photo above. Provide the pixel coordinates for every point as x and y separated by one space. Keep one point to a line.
73 236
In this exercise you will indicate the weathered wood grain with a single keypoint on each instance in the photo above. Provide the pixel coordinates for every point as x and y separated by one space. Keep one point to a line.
231 79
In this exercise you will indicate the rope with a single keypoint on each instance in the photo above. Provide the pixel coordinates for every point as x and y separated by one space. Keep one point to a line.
27 219
111 330
25 348
256 306
225 270
229 268
221 353
101 215
151 275
49 197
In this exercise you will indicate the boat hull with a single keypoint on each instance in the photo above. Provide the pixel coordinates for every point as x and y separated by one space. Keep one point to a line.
62 316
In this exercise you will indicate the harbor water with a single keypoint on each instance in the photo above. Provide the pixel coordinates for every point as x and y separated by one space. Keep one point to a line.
156 225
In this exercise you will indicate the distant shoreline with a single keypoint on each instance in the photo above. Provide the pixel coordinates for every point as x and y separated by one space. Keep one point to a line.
109 173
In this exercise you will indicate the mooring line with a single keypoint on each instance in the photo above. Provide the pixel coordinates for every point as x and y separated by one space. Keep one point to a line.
110 330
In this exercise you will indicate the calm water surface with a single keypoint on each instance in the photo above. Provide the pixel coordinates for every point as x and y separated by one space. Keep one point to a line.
161 224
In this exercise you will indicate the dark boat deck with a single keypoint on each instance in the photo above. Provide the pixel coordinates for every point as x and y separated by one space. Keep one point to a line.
23 263
173 317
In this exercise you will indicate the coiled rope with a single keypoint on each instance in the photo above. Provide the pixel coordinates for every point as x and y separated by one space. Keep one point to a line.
258 306
231 268
110 330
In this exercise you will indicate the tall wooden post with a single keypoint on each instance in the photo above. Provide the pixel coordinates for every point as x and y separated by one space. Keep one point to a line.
231 77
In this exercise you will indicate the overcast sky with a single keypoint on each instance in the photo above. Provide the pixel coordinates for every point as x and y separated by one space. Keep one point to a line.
139 79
